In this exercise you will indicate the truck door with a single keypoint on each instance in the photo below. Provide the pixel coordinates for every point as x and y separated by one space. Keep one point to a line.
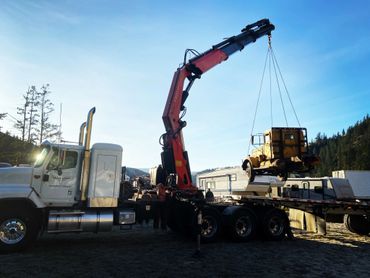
60 178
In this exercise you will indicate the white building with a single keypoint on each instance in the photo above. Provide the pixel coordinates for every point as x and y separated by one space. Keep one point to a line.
233 181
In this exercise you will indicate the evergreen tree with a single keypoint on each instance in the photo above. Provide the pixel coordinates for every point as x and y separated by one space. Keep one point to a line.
33 116
46 128
2 116
349 150
23 111
34 124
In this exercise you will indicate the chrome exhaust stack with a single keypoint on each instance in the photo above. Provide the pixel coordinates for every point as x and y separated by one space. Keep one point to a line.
86 161
82 134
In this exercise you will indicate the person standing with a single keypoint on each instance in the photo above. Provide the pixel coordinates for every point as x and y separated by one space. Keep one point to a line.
163 205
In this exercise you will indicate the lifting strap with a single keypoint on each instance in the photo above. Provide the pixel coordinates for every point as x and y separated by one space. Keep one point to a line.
272 64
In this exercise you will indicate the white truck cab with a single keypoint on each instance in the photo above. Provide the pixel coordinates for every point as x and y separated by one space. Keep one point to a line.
70 188
56 174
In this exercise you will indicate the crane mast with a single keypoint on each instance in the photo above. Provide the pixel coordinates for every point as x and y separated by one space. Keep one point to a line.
175 161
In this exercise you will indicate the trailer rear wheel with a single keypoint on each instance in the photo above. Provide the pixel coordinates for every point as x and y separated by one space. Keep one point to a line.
358 224
211 225
18 230
243 225
274 224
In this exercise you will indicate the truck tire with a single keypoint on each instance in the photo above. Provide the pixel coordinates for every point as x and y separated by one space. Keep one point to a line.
358 224
248 168
274 224
211 225
243 225
18 230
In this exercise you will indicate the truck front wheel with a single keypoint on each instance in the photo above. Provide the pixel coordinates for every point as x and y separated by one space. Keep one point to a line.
17 230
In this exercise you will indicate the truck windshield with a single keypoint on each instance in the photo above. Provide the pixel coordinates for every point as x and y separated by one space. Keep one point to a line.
41 157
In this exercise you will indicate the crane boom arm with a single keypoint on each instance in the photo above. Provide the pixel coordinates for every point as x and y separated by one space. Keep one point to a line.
174 157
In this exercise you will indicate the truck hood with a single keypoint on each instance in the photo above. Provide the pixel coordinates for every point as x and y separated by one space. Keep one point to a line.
15 175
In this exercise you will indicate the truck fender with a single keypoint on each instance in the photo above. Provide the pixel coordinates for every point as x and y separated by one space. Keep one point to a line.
227 214
36 200
20 192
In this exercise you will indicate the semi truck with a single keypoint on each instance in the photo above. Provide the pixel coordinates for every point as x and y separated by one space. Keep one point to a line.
76 188
70 188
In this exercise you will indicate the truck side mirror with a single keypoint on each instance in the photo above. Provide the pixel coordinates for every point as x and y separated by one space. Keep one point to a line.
45 177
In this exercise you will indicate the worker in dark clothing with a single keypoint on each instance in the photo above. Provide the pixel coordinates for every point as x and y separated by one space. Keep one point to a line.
209 196
162 208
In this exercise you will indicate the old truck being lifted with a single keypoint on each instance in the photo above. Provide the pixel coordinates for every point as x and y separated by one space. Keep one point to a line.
75 188
280 151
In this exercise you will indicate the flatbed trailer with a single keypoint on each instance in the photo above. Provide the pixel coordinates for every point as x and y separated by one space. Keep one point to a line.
244 218
320 207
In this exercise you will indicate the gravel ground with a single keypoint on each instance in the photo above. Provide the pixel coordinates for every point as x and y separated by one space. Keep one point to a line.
142 252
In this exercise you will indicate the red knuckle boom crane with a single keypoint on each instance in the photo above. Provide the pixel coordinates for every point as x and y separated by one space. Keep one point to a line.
175 161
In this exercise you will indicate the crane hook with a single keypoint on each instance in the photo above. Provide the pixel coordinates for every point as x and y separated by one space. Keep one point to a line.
269 40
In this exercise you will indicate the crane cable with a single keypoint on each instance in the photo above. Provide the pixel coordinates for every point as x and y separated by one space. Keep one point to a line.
270 55
278 86
258 100
285 87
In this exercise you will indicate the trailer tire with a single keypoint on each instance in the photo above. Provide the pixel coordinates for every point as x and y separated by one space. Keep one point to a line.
243 225
211 225
18 230
358 224
274 224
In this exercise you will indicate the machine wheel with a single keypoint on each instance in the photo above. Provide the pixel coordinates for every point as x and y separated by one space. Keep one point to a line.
247 166
358 224
211 225
274 224
18 230
243 225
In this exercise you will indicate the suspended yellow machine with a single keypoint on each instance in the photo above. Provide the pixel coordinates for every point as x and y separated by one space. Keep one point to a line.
281 150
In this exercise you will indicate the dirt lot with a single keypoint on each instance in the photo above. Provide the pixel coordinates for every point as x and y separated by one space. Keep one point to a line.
141 252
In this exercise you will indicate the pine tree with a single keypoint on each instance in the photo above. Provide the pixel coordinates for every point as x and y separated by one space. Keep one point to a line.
348 150
23 111
33 116
46 129
2 116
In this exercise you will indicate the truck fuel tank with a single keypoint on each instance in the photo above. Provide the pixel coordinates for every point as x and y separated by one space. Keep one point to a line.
80 221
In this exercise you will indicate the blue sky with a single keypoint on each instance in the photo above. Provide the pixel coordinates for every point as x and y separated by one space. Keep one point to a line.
120 57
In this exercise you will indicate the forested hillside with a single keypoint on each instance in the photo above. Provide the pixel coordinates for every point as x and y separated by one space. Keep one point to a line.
347 151
16 151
